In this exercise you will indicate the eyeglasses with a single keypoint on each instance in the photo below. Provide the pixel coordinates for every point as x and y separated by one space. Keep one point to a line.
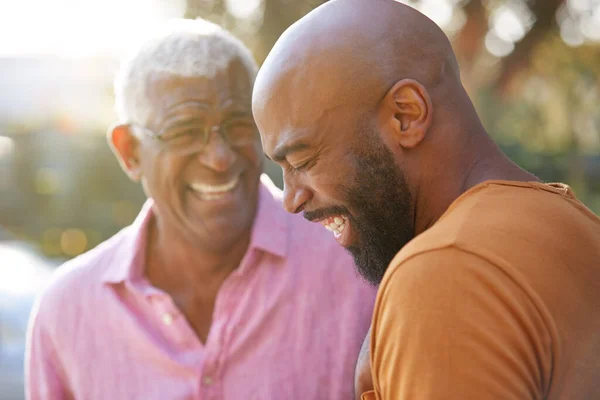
236 132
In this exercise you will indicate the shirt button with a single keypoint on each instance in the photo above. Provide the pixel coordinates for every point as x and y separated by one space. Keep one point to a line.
167 319
207 380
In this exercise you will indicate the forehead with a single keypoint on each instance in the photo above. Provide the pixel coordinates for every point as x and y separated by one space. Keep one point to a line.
232 84
330 129
291 110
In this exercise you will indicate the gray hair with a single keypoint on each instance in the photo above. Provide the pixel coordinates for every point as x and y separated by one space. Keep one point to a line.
183 47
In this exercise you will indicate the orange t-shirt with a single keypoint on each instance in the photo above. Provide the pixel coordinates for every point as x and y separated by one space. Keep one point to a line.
499 299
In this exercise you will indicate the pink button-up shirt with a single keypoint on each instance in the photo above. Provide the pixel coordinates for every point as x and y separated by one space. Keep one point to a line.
287 323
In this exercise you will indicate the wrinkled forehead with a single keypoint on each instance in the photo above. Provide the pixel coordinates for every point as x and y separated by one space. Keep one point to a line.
231 84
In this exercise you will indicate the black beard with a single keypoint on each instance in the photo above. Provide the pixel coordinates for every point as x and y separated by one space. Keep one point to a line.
381 203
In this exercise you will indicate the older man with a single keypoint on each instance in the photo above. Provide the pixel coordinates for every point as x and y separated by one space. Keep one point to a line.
496 295
214 292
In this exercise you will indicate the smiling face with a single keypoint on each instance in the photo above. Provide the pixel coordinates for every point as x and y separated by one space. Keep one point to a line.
340 173
203 174
344 103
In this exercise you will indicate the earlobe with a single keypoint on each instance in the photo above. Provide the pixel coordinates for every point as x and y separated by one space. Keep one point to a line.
124 145
133 170
411 109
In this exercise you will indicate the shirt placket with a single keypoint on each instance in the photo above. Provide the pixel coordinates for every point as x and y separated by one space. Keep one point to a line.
211 377
206 360
190 350
220 335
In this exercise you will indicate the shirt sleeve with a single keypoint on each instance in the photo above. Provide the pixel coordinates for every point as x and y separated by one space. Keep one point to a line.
451 325
44 379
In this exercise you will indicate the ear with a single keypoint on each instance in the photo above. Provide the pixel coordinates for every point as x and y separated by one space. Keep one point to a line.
125 146
410 111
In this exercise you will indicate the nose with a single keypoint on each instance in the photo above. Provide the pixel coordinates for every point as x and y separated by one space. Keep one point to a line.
217 154
295 194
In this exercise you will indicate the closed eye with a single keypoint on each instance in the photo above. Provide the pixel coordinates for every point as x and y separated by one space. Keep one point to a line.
184 129
302 166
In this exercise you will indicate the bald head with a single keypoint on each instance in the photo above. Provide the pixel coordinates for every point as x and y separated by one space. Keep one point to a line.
349 52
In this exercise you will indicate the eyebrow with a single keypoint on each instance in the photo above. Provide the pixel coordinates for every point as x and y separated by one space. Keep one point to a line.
281 152
183 123
190 120
173 118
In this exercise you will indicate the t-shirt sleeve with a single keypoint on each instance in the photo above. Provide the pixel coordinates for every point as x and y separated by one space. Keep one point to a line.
449 324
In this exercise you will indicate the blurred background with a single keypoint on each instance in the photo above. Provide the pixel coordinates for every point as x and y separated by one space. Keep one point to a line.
531 66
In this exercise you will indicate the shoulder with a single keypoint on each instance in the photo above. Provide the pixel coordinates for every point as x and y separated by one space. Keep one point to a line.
79 279
438 270
445 314
494 217
450 288
497 207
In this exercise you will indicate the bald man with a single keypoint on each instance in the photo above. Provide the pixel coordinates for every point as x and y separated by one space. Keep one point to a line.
489 280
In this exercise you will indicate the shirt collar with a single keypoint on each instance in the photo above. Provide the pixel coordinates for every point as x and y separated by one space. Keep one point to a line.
270 230
269 233
129 256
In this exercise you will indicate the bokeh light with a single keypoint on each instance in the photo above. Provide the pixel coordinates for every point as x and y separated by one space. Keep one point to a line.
73 242
7 146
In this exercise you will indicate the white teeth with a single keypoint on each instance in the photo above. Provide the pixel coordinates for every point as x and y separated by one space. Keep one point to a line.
338 232
209 191
336 226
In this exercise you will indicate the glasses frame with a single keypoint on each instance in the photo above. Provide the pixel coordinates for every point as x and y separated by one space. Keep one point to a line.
208 130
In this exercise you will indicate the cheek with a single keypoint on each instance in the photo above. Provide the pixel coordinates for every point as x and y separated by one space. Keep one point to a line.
161 171
331 177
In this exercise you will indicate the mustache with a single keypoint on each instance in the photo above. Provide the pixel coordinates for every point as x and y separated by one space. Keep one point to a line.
322 213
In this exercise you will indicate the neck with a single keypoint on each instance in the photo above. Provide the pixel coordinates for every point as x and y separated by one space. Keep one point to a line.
175 264
454 178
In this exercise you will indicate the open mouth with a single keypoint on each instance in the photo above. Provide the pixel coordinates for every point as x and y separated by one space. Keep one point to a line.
214 192
339 225
335 224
